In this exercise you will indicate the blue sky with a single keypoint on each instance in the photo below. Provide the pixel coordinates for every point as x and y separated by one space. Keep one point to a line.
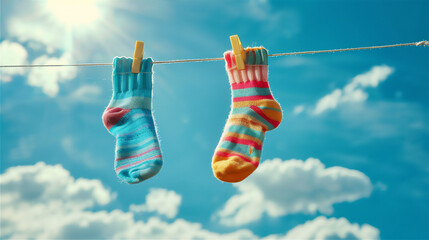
349 160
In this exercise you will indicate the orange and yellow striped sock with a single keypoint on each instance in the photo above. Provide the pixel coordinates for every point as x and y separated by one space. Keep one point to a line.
254 111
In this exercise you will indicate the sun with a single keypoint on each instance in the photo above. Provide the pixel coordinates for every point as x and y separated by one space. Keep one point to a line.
74 12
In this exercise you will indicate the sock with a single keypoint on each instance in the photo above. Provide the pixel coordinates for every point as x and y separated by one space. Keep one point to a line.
254 111
128 117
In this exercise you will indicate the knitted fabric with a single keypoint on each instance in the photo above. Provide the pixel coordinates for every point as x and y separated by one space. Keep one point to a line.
128 117
254 112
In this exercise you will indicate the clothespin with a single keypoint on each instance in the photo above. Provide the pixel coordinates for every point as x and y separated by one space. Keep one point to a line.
138 56
239 53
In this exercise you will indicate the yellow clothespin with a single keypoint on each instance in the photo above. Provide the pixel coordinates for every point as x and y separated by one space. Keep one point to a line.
240 54
138 56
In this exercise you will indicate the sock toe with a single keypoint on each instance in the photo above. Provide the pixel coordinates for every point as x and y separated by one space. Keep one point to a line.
232 169
141 173
146 172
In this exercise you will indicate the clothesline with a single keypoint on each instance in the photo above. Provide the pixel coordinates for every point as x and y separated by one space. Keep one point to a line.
420 43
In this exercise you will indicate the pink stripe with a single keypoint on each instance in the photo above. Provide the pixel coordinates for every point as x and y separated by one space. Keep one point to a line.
138 155
261 113
121 135
230 61
250 84
135 163
250 98
244 142
224 154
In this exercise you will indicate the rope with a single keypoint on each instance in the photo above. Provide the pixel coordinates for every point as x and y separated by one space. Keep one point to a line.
421 43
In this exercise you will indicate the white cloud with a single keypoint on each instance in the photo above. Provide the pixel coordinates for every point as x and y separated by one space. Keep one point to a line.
354 91
86 94
44 202
279 188
161 201
329 228
372 78
11 53
48 78
41 183
355 95
27 27
298 109
329 101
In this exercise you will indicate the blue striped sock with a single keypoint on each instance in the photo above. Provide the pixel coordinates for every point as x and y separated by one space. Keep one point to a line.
128 117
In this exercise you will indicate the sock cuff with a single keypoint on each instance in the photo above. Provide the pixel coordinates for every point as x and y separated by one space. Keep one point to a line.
127 84
254 56
255 67
122 65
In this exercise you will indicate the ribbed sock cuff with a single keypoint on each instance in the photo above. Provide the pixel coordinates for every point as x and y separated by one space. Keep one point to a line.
256 66
254 56
127 84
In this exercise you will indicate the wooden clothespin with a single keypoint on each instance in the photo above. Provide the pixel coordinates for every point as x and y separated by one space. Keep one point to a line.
239 53
138 56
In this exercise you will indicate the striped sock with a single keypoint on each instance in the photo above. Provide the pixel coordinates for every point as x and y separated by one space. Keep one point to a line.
254 111
128 117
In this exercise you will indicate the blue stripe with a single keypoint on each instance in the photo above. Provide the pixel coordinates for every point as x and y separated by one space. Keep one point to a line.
135 139
124 149
137 151
143 131
136 159
248 131
275 109
155 161
135 93
245 92
131 122
132 126
136 102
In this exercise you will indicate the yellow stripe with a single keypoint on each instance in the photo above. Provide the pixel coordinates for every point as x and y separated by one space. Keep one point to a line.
244 123
260 103
238 118
273 114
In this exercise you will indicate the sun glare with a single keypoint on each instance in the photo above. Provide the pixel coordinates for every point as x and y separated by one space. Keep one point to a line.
74 12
